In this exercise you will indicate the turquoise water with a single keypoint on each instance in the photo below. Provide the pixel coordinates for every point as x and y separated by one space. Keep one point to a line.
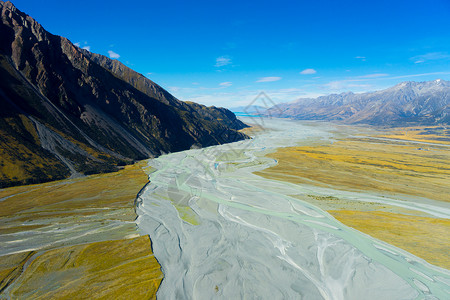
243 114
219 231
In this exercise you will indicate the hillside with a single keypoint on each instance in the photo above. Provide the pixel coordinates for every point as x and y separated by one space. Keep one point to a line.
407 103
66 111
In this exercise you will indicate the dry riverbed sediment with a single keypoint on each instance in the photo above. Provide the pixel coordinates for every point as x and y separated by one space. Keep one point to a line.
409 168
221 230
76 239
257 218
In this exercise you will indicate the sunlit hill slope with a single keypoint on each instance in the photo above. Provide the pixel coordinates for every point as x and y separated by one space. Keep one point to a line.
66 111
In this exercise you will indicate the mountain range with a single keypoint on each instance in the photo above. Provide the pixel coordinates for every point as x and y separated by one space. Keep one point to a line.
66 111
407 103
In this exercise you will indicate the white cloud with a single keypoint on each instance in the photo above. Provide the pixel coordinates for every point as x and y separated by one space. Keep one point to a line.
88 48
268 79
174 89
342 85
222 61
243 97
308 72
419 75
362 58
370 82
226 84
77 44
220 95
375 75
113 54
430 56
360 83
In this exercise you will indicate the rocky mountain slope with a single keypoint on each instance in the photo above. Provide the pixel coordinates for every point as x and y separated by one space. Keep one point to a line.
66 111
407 103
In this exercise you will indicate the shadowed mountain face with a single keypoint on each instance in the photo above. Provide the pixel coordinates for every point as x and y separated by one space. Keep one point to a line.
66 111
407 103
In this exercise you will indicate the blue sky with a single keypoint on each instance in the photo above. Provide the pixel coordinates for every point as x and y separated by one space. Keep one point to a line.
224 53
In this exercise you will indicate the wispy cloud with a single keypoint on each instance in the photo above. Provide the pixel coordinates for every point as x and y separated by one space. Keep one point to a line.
233 94
370 82
245 97
113 54
222 61
375 75
419 75
358 83
85 47
175 89
268 79
308 72
226 84
430 56
341 85
362 58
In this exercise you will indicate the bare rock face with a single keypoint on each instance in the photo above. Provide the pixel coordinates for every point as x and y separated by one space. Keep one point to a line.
85 113
407 103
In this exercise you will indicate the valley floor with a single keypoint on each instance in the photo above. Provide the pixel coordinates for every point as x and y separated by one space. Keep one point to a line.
76 239
409 164
255 218
260 218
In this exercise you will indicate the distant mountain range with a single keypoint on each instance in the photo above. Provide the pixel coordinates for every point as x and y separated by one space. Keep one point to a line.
407 103
66 111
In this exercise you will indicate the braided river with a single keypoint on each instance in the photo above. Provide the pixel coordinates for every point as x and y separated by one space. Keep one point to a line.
219 231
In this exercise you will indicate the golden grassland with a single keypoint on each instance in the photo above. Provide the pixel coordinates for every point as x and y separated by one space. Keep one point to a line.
18 162
386 167
424 237
110 190
429 134
252 130
365 164
114 266
108 270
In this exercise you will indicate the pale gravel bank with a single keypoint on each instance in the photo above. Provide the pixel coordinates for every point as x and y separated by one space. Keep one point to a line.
219 231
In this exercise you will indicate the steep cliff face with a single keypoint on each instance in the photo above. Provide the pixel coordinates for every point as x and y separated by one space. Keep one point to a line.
66 111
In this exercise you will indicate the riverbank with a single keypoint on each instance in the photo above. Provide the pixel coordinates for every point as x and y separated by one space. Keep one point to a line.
409 165
76 237
221 231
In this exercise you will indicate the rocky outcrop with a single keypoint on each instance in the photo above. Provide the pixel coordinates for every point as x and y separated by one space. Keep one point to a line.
85 113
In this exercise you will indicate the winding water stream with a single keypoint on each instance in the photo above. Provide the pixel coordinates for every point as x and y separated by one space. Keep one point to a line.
219 231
